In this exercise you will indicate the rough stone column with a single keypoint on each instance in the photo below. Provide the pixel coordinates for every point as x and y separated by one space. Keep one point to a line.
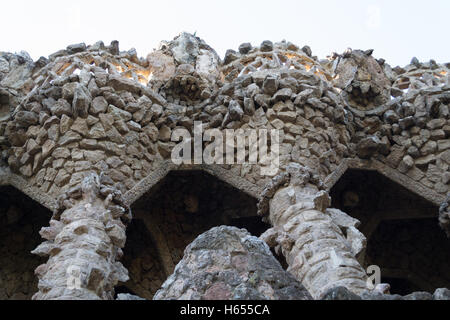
309 237
84 242
444 215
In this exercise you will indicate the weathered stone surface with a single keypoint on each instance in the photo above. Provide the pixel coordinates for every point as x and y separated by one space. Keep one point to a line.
99 105
80 126
68 90
185 48
370 87
121 83
368 146
235 110
406 164
441 294
270 85
298 215
68 138
266 45
230 56
97 109
61 107
244 48
282 94
127 296
340 293
162 65
228 263
119 114
93 266
26 118
444 216
81 100
48 147
74 48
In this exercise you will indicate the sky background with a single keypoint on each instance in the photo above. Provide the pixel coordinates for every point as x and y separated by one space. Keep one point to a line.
396 29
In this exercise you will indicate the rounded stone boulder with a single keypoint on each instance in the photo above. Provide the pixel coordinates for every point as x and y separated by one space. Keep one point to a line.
227 263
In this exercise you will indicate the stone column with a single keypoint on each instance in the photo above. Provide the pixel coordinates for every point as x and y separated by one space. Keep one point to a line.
318 253
84 242
444 215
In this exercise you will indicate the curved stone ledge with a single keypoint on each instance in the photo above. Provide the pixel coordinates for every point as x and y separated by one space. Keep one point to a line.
8 178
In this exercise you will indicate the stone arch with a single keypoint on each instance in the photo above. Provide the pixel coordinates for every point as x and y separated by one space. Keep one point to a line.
21 218
7 178
215 170
403 235
179 204
388 172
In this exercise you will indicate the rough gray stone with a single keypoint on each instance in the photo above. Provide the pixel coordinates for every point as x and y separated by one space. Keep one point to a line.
270 85
441 294
340 293
266 45
127 296
235 110
367 147
81 101
74 48
245 48
228 263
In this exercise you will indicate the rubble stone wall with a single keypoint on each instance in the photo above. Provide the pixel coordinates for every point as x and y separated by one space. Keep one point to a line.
89 111
97 111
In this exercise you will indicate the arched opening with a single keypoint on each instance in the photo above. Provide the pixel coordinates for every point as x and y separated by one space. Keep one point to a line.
402 230
413 250
142 261
21 218
171 215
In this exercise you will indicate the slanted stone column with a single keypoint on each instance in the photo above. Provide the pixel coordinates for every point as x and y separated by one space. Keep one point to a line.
84 242
444 215
318 253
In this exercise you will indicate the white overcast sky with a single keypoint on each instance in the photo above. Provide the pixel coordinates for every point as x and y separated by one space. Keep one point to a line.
396 29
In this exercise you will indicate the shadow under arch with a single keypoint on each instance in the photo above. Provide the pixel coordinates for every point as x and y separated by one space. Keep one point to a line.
171 214
403 235
21 218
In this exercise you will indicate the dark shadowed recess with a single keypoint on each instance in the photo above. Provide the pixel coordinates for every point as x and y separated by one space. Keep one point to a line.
171 215
21 218
404 238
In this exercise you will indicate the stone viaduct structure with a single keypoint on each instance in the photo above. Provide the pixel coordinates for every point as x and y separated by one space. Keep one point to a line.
85 141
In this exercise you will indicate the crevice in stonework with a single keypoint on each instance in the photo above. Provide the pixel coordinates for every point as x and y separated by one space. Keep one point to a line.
4 107
171 215
280 258
403 235
254 224
21 218
141 259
